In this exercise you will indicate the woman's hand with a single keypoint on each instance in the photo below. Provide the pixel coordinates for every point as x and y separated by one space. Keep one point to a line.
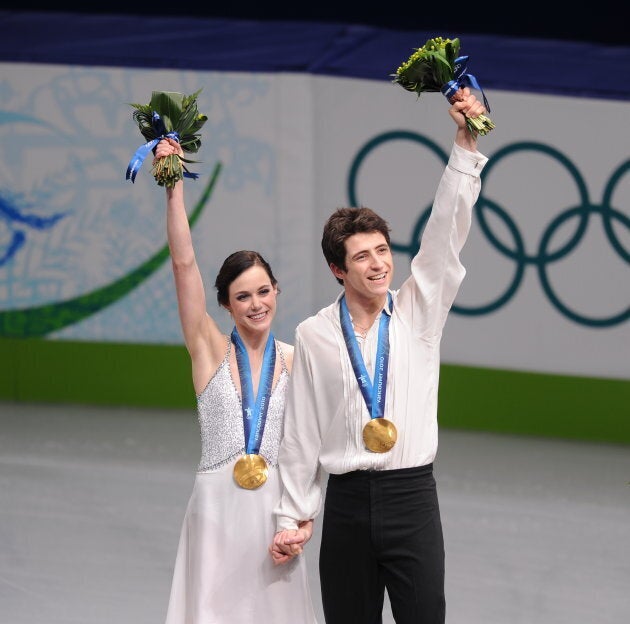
168 147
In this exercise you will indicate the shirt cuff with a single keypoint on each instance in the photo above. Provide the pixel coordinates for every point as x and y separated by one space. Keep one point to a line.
465 161
285 523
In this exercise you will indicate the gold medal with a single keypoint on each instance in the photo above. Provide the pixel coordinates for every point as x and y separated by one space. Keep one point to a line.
250 471
379 435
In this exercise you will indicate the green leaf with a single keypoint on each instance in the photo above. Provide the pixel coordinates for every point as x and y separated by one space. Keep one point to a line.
167 103
429 68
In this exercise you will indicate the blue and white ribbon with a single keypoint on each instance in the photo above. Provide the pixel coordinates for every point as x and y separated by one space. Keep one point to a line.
254 413
461 78
373 392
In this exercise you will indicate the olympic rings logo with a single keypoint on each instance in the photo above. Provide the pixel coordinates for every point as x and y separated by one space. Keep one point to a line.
583 212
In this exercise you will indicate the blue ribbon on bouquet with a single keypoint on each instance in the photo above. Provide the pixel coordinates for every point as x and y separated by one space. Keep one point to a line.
143 151
461 78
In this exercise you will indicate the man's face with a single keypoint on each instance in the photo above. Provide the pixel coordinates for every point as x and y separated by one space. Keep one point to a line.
369 266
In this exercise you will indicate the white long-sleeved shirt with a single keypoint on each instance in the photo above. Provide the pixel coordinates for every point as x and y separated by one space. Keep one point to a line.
325 411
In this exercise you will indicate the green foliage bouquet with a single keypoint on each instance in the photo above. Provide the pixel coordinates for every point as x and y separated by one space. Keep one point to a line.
435 67
173 115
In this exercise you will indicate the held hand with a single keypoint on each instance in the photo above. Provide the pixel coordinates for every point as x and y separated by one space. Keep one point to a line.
277 556
290 542
296 539
305 531
279 551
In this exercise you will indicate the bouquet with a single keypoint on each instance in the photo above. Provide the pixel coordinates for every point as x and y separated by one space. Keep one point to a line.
436 66
172 115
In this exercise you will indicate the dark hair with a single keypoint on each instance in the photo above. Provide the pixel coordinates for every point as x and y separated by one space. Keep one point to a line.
342 224
233 266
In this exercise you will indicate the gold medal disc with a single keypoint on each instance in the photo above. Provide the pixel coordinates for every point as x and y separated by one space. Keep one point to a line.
379 435
250 471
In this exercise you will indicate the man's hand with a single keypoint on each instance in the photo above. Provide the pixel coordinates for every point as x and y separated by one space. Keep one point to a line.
290 542
464 104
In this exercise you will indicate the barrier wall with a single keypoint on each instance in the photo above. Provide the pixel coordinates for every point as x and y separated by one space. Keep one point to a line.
537 342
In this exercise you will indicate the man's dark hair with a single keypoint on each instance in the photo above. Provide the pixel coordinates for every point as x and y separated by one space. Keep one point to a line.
342 224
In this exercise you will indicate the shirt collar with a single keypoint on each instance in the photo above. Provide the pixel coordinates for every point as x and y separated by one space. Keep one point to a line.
389 303
388 308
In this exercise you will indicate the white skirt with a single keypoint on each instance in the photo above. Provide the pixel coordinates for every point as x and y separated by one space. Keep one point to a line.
223 570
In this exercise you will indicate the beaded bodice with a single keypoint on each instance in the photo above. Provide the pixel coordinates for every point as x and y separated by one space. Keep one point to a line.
221 419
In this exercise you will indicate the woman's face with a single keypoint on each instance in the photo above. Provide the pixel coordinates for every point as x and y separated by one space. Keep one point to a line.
252 300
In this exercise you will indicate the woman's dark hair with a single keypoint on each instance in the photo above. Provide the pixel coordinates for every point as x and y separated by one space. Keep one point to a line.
233 266
342 224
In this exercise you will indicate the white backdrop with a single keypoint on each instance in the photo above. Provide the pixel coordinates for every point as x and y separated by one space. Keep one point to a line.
287 143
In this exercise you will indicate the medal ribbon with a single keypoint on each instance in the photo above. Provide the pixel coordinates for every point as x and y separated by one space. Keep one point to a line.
254 413
373 393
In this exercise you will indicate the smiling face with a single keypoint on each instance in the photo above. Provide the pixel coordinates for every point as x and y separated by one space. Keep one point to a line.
369 267
252 300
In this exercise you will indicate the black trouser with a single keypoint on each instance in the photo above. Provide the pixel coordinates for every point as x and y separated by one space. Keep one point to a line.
382 529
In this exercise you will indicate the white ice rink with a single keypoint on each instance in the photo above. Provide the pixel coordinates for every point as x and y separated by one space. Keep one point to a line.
537 531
